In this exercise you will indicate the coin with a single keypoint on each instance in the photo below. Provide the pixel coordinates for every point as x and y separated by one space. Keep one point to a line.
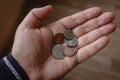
71 43
58 51
68 51
68 34
59 38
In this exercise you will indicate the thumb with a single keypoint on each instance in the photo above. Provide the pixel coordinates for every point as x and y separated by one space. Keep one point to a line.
35 16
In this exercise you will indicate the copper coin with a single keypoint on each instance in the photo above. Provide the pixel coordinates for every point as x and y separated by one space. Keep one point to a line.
58 51
68 51
59 38
68 34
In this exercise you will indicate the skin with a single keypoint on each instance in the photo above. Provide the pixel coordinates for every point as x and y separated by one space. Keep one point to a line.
33 43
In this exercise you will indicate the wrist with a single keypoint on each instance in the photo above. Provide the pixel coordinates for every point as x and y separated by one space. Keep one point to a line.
32 71
14 69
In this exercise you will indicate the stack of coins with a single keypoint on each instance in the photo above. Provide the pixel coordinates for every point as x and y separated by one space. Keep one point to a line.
64 44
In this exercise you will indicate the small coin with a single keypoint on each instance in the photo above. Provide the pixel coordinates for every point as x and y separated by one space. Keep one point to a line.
71 43
68 51
58 51
68 34
59 38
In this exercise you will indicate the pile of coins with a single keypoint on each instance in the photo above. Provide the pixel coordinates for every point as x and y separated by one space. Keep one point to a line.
64 44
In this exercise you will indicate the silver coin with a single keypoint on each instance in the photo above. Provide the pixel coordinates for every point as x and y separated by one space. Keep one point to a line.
68 34
58 51
71 43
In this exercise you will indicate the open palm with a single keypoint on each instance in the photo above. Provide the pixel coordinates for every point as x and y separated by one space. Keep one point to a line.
32 45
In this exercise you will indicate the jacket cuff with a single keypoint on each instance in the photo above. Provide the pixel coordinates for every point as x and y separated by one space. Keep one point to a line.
10 69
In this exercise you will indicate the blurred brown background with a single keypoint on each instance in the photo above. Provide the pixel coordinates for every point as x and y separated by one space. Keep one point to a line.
104 66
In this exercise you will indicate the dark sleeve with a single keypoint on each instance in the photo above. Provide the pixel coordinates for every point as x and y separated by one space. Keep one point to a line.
11 70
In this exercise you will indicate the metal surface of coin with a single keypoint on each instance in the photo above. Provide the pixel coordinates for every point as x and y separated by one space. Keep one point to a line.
59 38
68 51
68 34
58 51
72 43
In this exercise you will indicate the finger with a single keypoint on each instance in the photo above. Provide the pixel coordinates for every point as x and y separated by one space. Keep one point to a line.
35 16
79 18
94 24
75 19
96 34
91 49
88 39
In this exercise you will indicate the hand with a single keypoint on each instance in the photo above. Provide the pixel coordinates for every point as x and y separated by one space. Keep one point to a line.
32 44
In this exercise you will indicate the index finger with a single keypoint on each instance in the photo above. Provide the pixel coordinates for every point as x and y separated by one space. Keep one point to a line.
74 20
